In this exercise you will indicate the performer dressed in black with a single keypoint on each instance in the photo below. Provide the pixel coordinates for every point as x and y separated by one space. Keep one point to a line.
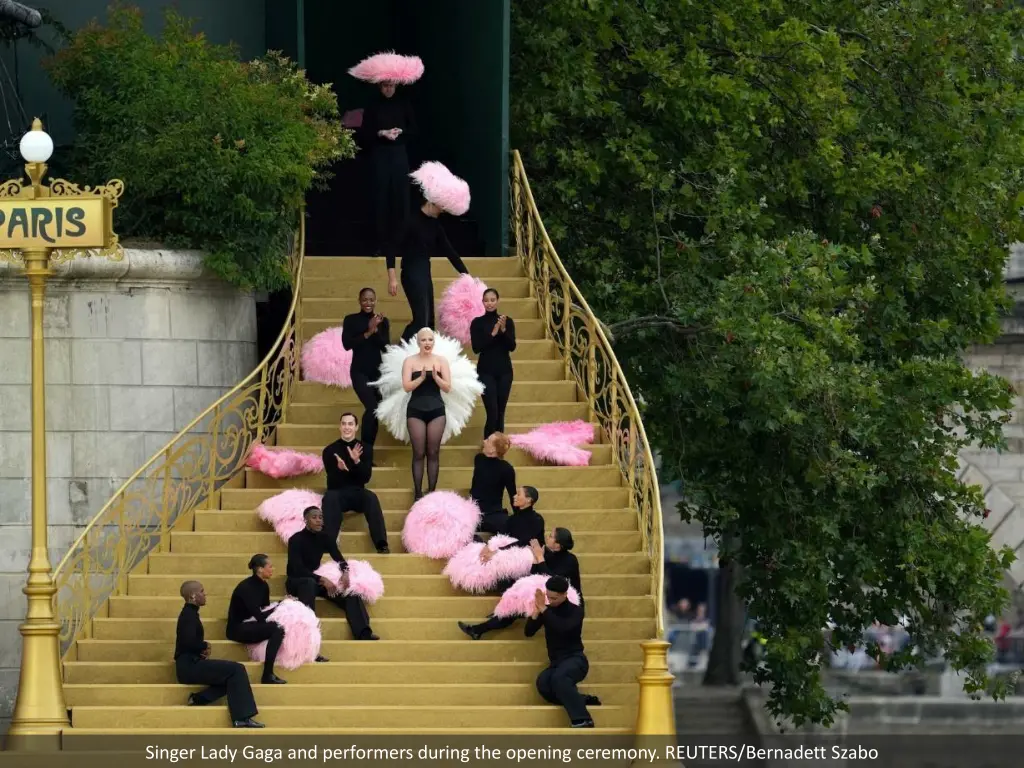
349 465
493 476
389 124
249 601
567 664
494 339
525 523
305 551
366 333
420 238
193 665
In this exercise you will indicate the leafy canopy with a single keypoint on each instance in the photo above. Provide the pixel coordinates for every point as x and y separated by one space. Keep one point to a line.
215 154
794 217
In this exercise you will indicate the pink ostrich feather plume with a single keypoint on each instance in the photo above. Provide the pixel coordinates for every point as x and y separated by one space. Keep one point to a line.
556 442
283 462
302 636
462 302
284 511
363 580
442 187
440 524
326 361
466 572
518 600
389 67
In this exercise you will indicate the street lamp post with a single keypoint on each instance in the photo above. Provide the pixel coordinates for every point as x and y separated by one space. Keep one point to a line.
39 225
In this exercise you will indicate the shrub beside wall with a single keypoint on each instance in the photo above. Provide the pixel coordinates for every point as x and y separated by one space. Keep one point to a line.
215 153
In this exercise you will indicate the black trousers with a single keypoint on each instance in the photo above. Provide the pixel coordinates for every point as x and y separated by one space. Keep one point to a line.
390 169
307 590
493 623
370 398
557 684
253 632
223 678
361 500
496 393
495 521
418 285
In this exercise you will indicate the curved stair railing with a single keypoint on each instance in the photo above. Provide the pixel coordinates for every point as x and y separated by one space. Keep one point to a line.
185 474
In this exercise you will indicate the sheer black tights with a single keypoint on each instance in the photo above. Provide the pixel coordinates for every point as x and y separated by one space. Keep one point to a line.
426 444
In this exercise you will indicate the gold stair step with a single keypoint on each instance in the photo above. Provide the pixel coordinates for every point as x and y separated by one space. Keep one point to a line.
457 455
128 672
167 563
575 520
323 434
515 413
313 392
464 607
348 289
396 498
354 270
355 543
97 740
334 303
388 477
392 629
527 329
145 585
292 695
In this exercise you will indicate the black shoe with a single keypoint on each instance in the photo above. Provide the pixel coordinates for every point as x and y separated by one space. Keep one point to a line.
368 635
588 723
417 495
322 659
273 680
193 701
470 630
247 723
383 550
591 701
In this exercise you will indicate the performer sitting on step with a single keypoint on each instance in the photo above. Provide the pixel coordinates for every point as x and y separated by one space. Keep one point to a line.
524 524
492 477
349 465
193 665
567 665
553 559
249 601
367 334
305 551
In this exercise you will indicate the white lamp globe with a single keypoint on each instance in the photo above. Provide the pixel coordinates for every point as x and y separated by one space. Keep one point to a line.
36 146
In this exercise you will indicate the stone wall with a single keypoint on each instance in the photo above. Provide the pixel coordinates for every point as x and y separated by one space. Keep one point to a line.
135 350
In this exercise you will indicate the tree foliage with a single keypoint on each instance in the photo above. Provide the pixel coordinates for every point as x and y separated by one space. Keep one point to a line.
215 153
794 217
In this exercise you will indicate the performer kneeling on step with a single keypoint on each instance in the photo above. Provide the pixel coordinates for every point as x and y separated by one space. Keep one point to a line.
305 551
193 665
349 466
249 601
493 476
568 666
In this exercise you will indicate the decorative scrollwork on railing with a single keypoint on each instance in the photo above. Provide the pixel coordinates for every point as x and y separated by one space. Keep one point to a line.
182 476
590 361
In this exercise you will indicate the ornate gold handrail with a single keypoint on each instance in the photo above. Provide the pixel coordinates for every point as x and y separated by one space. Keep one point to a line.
184 474
589 360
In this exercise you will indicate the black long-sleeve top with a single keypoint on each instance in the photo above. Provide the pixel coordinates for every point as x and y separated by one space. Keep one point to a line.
189 639
524 525
495 351
562 563
563 630
305 551
249 601
491 478
421 237
366 351
385 114
357 476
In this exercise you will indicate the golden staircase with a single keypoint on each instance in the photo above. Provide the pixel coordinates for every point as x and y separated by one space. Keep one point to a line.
189 513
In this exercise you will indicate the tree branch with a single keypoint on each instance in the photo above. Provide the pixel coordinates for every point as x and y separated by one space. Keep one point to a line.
635 324
657 251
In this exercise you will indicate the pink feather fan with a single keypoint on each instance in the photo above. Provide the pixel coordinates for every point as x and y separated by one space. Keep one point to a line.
302 636
363 580
556 442
518 600
467 572
442 187
440 524
326 361
389 67
461 303
282 462
284 511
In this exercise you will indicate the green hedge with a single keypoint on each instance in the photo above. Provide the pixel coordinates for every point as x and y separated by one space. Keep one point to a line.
215 154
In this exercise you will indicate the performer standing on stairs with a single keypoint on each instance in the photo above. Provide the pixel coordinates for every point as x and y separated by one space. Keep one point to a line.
568 666
423 237
425 375
193 665
349 465
305 551
366 333
389 124
492 478
249 601
494 340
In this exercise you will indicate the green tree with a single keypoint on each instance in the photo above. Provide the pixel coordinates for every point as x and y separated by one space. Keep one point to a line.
794 216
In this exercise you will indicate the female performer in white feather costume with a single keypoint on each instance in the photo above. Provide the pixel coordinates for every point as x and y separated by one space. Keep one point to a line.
429 389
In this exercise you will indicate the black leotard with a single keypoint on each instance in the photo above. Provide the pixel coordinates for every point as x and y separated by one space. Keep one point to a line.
426 403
